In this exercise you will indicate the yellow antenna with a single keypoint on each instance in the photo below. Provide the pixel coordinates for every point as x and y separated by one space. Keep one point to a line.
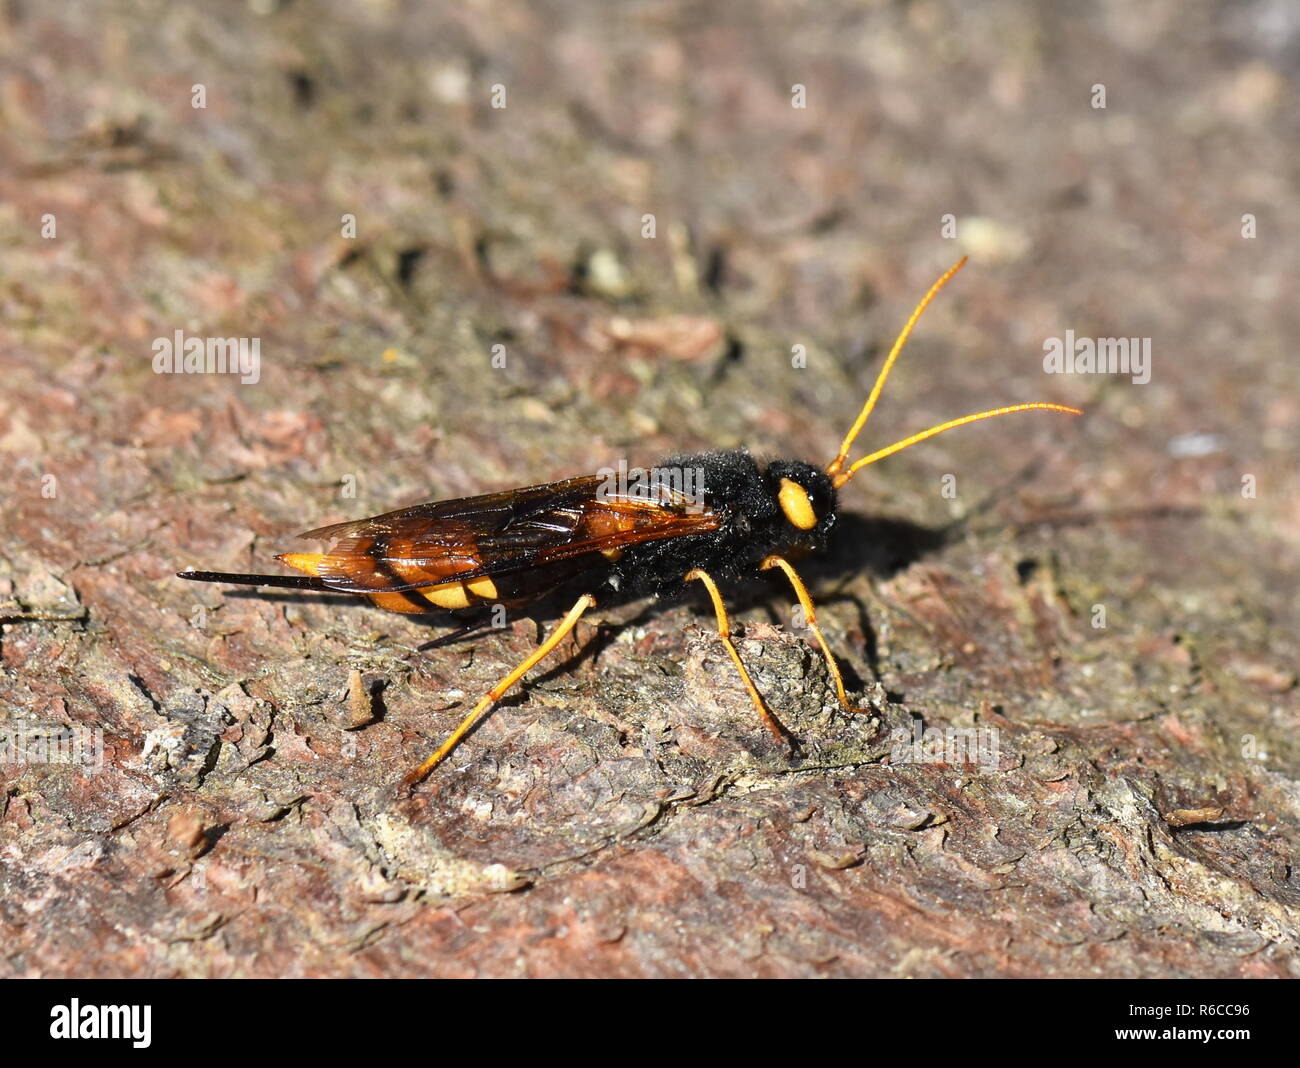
839 479
835 468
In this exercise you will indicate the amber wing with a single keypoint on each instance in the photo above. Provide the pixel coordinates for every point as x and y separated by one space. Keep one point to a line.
509 547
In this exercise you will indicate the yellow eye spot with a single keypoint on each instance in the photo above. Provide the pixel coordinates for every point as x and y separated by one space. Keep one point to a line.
795 505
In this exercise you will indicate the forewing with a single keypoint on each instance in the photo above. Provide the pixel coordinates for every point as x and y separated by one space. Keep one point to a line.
539 527
484 514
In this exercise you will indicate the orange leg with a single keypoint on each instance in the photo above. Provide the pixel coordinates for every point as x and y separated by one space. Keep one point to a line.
498 691
810 616
724 632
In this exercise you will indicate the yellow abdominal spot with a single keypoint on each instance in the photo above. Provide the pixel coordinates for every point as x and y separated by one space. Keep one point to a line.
308 562
457 594
795 505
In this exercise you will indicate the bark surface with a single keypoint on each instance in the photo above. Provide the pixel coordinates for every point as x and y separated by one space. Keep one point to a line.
1077 636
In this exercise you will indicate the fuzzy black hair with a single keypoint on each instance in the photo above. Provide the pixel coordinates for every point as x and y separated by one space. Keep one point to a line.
752 525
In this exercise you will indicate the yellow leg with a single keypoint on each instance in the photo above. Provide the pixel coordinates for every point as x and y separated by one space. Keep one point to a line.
498 691
724 632
810 615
